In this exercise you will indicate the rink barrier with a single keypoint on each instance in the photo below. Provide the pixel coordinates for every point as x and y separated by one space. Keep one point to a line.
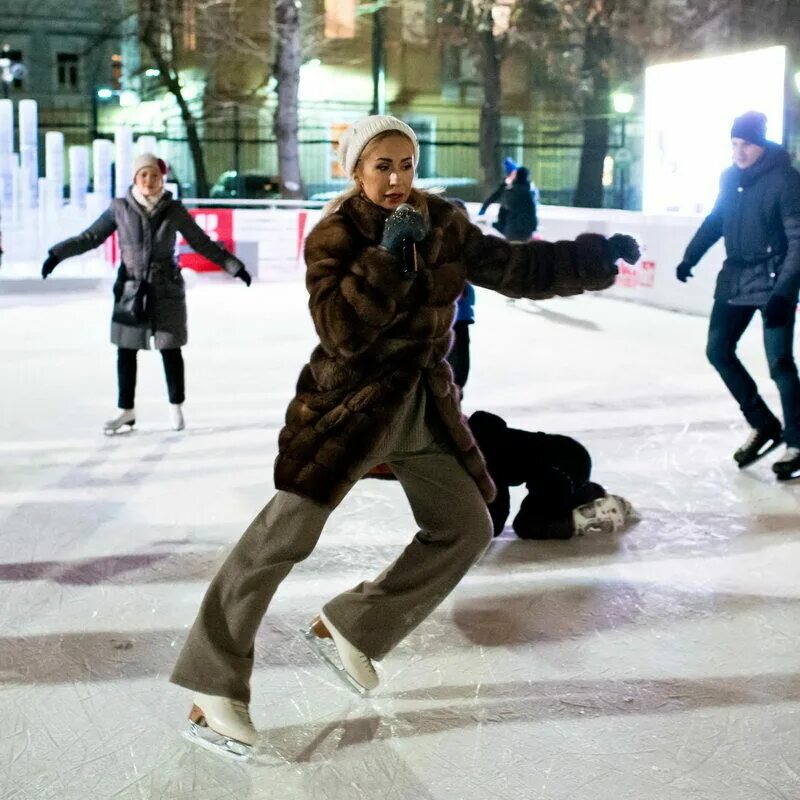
270 241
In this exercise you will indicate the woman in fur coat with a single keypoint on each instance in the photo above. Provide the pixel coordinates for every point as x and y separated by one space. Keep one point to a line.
385 266
147 220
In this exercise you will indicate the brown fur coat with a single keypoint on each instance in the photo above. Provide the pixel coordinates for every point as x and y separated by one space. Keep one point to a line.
381 332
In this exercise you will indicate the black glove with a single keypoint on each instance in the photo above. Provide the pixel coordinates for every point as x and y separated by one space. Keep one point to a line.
683 272
402 229
620 245
50 263
244 275
778 311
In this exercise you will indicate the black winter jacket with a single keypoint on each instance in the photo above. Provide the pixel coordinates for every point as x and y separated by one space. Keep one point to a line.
520 219
758 213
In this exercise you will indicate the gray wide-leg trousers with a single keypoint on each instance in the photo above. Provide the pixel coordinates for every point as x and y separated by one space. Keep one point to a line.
454 530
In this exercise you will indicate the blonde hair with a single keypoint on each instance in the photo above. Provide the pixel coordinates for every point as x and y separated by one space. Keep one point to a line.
354 189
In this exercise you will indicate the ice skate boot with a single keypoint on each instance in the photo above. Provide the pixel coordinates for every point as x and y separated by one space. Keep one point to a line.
347 661
602 516
122 424
176 413
759 443
787 466
222 725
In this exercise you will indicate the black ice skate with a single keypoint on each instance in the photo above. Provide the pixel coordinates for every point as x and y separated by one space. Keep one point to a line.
760 442
347 661
223 726
787 467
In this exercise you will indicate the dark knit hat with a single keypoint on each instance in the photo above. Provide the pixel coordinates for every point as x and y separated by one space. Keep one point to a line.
752 127
522 176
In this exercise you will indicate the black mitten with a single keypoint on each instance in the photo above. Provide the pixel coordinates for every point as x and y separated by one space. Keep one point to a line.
620 245
50 263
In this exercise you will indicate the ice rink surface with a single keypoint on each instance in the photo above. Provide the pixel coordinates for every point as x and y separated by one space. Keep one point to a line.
662 664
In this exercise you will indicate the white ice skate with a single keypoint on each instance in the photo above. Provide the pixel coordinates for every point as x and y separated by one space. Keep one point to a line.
122 424
347 661
602 516
176 412
222 725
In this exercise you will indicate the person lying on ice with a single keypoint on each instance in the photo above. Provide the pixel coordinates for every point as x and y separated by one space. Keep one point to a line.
385 266
562 501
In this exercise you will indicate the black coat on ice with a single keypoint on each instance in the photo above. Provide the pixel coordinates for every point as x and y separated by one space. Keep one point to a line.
758 214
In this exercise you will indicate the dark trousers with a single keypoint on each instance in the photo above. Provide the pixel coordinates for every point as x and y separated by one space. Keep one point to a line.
727 325
555 470
126 375
458 357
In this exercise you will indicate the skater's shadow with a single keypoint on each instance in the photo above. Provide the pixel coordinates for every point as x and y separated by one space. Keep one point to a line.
587 609
518 702
532 307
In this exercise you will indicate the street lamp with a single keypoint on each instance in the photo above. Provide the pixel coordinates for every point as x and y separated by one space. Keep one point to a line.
623 105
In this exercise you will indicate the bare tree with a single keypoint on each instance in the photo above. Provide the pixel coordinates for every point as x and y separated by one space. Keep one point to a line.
160 31
288 57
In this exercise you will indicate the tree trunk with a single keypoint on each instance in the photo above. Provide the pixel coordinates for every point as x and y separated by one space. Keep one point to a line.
597 50
287 74
153 17
490 156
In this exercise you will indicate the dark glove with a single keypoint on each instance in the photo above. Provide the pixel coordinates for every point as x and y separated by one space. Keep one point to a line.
683 272
244 275
50 263
403 228
620 245
406 223
777 312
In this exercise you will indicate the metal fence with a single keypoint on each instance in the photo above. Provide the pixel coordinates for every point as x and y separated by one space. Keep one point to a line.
449 155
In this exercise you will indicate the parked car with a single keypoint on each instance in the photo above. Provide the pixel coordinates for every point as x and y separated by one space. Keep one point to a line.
232 185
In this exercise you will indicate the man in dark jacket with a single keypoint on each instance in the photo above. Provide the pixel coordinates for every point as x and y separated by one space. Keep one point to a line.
758 214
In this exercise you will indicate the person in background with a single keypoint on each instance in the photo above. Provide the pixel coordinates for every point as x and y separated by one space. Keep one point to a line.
147 221
458 357
520 209
757 212
562 500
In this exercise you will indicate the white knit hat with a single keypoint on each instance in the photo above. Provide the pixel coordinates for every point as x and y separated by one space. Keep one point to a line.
356 137
149 160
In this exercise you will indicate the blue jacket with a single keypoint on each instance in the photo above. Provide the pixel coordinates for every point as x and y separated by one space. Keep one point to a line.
465 305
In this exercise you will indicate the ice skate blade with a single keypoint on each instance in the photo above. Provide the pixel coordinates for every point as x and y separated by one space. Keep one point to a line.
123 430
217 743
774 445
314 637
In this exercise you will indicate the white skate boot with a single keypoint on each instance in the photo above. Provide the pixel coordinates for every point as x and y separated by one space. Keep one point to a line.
176 412
602 516
352 666
122 424
222 725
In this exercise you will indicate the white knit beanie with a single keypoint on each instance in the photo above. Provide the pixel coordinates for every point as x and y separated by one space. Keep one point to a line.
149 160
356 137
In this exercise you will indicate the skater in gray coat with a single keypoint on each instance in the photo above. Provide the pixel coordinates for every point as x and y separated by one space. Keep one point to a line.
149 293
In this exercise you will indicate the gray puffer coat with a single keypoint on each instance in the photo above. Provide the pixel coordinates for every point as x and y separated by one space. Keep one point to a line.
149 242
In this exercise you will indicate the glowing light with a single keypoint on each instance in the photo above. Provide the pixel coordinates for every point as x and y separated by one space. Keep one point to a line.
152 72
689 108
623 102
105 94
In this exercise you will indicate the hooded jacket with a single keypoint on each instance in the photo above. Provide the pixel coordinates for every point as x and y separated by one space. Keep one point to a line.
758 214
383 334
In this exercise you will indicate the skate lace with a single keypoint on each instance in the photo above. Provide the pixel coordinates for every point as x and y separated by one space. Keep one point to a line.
752 439
366 662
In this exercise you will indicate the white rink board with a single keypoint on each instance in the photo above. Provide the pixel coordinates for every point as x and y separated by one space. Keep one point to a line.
278 234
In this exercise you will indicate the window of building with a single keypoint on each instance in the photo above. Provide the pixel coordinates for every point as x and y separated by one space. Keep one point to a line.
189 26
116 71
340 19
12 67
67 70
